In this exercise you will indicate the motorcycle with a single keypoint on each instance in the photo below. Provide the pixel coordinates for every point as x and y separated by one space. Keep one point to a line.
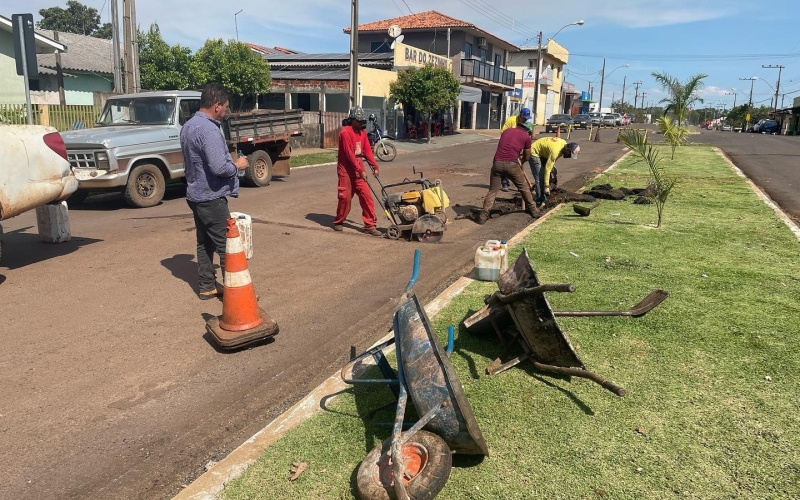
384 151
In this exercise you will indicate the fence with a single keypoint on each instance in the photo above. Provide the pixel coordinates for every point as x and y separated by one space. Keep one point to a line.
63 118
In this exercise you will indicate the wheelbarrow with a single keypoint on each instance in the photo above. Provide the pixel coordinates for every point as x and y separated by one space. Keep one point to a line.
521 307
415 462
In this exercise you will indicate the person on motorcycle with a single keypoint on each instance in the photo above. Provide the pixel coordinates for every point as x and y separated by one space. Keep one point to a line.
354 148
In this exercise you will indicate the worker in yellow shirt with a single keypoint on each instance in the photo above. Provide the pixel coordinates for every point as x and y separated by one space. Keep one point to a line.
513 122
544 153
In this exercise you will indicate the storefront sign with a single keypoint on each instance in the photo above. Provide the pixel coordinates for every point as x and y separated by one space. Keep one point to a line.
406 56
515 95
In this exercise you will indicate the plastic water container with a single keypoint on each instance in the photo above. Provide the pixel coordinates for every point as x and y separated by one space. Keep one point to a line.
487 263
501 244
245 224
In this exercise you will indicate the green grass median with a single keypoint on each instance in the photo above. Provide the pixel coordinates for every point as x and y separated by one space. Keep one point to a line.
301 160
711 374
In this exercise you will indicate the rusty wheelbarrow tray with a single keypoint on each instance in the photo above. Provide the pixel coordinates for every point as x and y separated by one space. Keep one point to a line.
426 376
522 307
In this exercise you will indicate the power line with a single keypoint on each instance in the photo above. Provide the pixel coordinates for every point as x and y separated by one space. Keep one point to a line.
407 7
398 8
494 16
686 57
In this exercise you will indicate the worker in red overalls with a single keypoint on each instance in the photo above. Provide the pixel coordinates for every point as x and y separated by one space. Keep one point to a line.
354 148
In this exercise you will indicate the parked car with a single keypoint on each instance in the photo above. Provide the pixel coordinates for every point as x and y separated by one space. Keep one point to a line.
727 127
756 127
35 170
769 127
581 121
619 120
597 119
631 118
135 146
609 120
558 121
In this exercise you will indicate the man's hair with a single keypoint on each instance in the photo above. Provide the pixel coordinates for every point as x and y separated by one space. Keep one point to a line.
213 93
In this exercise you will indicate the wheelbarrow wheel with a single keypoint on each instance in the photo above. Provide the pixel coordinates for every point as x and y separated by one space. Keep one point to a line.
427 460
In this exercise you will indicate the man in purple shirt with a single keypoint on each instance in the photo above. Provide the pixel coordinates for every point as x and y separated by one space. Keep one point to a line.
513 143
211 176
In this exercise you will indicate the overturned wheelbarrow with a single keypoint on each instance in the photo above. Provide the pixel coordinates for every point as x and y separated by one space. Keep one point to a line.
415 464
520 307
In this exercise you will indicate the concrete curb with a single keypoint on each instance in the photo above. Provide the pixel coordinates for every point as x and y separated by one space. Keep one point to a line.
761 194
209 485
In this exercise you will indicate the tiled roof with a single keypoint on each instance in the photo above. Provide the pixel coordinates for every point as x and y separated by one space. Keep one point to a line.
84 53
430 19
423 20
270 51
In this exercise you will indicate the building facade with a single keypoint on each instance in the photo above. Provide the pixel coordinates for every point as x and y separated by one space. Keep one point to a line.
551 99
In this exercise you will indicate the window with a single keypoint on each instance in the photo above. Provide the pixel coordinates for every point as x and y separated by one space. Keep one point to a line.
484 53
188 108
531 63
498 60
467 51
379 47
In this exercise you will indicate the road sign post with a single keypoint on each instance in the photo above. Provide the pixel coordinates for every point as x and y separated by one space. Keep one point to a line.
25 54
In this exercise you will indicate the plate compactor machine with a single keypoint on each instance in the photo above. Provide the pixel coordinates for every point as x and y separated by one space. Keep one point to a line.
415 208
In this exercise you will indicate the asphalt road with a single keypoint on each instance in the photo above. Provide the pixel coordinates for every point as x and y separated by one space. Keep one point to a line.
110 388
771 161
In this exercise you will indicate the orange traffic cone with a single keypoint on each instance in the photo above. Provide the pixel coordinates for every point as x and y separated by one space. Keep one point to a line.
242 321
597 135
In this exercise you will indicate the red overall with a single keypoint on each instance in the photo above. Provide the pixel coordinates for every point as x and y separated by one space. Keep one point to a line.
349 168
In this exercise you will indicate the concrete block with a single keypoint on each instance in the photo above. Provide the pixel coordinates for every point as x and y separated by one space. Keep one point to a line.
53 222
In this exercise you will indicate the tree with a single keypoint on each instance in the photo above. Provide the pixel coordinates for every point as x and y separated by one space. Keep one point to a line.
681 95
737 116
76 18
674 135
233 65
661 184
163 67
427 89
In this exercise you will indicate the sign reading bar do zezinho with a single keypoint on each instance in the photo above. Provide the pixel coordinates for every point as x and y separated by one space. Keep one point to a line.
406 56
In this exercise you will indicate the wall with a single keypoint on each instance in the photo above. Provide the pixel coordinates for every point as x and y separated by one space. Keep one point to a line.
375 82
431 41
80 90
12 87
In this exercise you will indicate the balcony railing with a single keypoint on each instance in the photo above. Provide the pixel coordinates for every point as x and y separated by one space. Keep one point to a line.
488 72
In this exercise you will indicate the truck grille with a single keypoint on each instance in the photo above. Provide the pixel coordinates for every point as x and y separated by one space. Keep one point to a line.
81 159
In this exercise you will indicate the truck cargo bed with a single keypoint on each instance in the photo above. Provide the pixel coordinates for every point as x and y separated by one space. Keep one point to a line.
262 125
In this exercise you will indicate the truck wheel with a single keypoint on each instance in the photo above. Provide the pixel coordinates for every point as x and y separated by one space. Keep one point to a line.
78 197
145 186
259 173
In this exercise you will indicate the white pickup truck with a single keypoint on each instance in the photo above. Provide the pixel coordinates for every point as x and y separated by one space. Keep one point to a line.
135 145
34 170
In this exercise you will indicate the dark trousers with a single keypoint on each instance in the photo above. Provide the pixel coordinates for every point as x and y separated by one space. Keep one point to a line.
537 169
211 223
513 171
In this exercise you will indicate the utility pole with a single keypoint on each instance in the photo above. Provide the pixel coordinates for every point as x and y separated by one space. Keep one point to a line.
536 86
624 79
750 100
602 81
115 49
778 86
643 94
236 23
131 44
636 97
353 53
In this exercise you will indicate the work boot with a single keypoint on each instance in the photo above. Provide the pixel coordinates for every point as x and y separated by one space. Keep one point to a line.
338 227
534 212
373 232
483 216
209 294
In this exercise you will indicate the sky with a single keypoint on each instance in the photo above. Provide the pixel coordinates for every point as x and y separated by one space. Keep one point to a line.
725 39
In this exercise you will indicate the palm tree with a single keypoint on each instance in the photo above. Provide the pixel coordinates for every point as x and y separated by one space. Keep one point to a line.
681 95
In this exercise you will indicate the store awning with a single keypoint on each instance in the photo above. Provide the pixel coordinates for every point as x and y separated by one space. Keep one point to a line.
469 94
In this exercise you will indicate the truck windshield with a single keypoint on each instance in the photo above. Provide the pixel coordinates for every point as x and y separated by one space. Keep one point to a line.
138 111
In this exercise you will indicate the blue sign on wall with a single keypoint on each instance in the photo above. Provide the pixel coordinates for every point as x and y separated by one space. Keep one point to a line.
585 96
516 93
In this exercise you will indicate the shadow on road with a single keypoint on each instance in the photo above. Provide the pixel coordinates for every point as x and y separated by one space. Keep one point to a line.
115 201
21 248
326 220
183 267
246 347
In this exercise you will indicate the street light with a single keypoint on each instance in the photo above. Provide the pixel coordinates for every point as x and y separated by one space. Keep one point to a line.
539 68
237 24
602 81
734 96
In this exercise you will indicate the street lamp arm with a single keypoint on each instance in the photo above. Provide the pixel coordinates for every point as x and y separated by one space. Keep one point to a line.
577 23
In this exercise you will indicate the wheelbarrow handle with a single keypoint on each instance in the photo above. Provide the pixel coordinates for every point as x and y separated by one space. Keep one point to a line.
583 373
536 290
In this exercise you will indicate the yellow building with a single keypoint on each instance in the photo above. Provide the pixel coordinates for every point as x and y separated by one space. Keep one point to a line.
523 64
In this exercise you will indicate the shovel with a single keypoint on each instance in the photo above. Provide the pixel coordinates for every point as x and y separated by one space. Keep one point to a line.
644 306
584 211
